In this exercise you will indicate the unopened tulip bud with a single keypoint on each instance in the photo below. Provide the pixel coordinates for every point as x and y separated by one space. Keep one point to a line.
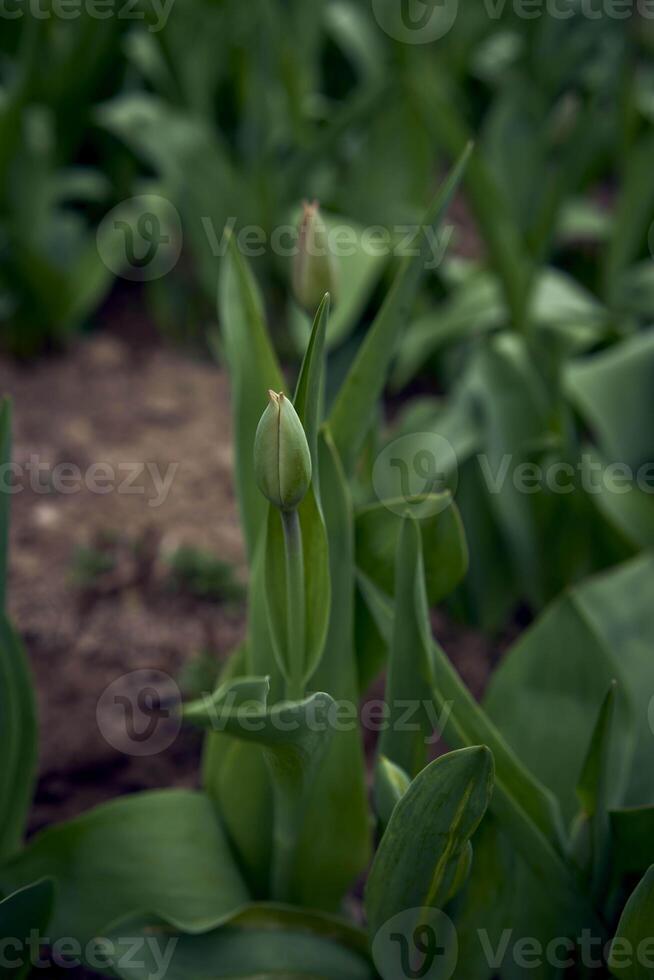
314 266
282 461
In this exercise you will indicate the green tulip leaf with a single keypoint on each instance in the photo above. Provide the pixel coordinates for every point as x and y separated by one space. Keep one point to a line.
630 957
253 370
23 913
594 790
444 544
162 850
309 391
257 941
294 737
613 391
316 586
427 833
409 679
335 841
391 783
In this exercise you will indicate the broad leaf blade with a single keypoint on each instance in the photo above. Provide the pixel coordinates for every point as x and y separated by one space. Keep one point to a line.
428 830
163 850
251 943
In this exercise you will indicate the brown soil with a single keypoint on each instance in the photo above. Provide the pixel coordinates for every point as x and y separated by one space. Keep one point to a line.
103 402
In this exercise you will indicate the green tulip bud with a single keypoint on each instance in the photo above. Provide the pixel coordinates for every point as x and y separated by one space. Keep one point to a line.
314 267
282 461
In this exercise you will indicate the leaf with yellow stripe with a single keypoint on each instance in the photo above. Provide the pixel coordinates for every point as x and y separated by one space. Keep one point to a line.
429 829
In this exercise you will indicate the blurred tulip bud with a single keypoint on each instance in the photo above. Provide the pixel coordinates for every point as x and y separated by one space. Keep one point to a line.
314 267
282 461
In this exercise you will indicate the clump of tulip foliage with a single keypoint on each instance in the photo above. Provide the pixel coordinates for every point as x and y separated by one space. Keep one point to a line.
539 821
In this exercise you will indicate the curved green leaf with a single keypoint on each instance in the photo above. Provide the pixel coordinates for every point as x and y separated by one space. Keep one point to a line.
428 831
163 850
294 737
258 941
613 391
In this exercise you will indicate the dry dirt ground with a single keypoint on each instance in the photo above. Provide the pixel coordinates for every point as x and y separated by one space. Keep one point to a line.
102 403
110 402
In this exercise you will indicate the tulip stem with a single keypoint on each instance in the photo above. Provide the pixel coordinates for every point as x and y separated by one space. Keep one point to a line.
295 604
